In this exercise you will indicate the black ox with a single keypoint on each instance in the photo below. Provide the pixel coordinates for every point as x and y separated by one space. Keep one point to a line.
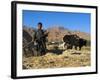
74 40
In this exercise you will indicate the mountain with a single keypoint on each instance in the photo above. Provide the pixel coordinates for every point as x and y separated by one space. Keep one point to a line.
83 35
57 33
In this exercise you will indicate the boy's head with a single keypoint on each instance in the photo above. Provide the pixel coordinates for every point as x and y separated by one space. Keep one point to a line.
39 25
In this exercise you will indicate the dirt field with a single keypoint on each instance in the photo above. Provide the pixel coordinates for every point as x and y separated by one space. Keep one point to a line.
59 58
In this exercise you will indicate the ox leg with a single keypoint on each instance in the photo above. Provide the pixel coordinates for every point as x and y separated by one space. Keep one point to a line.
71 47
80 47
75 47
65 46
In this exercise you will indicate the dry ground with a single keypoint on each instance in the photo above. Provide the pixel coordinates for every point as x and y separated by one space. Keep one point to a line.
59 58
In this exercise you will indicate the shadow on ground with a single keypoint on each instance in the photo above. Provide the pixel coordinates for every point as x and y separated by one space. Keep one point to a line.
55 51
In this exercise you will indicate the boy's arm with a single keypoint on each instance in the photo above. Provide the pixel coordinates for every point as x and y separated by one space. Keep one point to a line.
46 33
34 36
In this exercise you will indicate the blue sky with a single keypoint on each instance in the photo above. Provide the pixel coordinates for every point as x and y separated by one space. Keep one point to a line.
69 20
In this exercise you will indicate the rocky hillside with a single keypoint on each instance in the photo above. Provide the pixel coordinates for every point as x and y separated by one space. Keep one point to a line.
57 34
27 35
